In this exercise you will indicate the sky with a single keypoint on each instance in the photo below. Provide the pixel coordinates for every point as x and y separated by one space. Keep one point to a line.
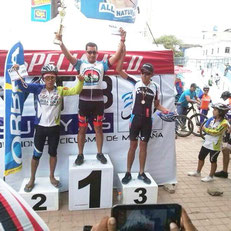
183 18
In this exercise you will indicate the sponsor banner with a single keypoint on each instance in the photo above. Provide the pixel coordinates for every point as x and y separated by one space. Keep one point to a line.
113 10
34 60
40 10
161 147
13 110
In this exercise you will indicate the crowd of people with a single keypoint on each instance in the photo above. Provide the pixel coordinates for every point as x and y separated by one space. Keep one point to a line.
217 128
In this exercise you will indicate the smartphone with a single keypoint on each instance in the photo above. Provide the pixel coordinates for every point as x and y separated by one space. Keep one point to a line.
147 217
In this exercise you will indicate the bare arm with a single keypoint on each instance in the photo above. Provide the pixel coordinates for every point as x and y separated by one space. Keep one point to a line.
119 51
65 51
159 107
119 66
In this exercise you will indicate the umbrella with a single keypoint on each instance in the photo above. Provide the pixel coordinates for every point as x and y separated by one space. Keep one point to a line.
179 69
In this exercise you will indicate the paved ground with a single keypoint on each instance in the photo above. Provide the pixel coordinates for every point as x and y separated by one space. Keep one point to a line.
207 212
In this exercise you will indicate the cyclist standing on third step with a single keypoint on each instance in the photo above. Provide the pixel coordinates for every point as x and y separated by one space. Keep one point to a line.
188 96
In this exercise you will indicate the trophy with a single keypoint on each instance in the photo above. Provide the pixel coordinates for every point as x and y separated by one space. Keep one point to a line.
62 14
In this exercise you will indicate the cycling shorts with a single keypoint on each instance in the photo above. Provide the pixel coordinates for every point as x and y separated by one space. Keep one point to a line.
205 151
90 109
41 133
140 127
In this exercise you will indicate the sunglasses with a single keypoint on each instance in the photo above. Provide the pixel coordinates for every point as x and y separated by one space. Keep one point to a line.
92 52
146 73
50 77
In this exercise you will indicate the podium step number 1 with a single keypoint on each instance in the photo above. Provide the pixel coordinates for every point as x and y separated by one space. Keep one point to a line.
90 184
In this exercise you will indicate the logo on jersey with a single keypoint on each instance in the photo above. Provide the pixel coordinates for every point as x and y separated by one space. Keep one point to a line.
91 77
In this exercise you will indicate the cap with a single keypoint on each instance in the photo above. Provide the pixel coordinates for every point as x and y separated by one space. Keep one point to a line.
147 67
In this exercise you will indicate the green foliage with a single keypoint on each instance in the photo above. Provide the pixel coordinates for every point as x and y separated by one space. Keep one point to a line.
172 43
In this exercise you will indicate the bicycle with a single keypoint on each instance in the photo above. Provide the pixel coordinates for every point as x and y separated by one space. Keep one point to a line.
183 125
196 118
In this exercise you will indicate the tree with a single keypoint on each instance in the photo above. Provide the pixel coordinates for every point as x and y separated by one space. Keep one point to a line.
172 43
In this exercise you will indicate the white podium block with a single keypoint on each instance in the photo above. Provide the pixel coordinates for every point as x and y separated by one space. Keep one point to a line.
138 192
43 197
90 184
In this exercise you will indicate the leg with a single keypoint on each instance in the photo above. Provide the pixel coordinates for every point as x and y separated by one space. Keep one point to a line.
200 165
99 138
81 138
34 166
142 155
39 141
53 162
213 169
131 154
226 153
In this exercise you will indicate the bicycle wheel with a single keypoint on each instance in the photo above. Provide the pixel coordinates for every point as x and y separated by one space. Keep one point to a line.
184 126
196 123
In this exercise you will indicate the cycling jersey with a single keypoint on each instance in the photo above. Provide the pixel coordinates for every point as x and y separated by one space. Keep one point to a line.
93 79
48 107
214 133
143 98
205 101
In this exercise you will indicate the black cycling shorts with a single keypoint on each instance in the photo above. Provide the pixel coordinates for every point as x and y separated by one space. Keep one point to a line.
91 109
205 151
41 133
140 127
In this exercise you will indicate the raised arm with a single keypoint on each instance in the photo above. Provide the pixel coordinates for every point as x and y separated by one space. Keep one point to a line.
65 51
119 51
119 66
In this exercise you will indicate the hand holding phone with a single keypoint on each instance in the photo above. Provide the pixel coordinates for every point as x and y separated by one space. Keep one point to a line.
146 217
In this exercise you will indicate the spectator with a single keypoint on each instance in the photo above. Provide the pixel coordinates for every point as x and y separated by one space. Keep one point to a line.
188 96
215 128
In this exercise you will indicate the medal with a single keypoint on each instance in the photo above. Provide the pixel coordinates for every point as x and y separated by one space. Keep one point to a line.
142 101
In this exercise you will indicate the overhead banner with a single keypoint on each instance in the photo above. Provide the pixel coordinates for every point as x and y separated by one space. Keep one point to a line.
113 10
13 112
40 10
35 59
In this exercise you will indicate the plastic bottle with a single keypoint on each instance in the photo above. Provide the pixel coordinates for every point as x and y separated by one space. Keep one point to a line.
119 198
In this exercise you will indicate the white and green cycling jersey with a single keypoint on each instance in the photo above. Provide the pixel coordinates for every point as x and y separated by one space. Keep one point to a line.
215 130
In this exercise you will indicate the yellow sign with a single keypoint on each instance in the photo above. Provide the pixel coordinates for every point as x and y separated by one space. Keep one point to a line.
40 2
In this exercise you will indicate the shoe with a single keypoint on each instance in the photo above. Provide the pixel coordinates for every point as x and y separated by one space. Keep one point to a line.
79 159
144 178
28 189
221 174
57 185
207 179
101 158
127 178
171 188
194 173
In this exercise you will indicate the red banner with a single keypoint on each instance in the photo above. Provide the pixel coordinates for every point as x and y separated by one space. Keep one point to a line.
35 59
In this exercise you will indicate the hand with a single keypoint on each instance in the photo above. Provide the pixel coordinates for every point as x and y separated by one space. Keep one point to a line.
80 78
122 34
185 223
106 224
59 37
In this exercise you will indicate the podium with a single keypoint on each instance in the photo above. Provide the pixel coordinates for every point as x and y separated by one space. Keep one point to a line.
138 192
43 197
90 184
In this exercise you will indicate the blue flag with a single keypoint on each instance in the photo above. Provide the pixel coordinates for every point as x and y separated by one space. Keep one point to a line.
14 100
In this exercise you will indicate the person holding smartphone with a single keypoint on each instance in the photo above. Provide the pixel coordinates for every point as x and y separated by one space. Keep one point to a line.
91 100
47 120
145 99
109 224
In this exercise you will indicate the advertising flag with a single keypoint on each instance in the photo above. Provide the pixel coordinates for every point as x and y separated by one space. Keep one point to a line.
14 100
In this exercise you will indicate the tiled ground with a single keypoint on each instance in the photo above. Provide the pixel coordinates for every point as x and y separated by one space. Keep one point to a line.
207 212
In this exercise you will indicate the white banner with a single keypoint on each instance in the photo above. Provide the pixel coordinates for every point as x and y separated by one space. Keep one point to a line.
161 160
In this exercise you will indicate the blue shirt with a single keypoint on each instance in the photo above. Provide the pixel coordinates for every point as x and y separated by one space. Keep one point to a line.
183 100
